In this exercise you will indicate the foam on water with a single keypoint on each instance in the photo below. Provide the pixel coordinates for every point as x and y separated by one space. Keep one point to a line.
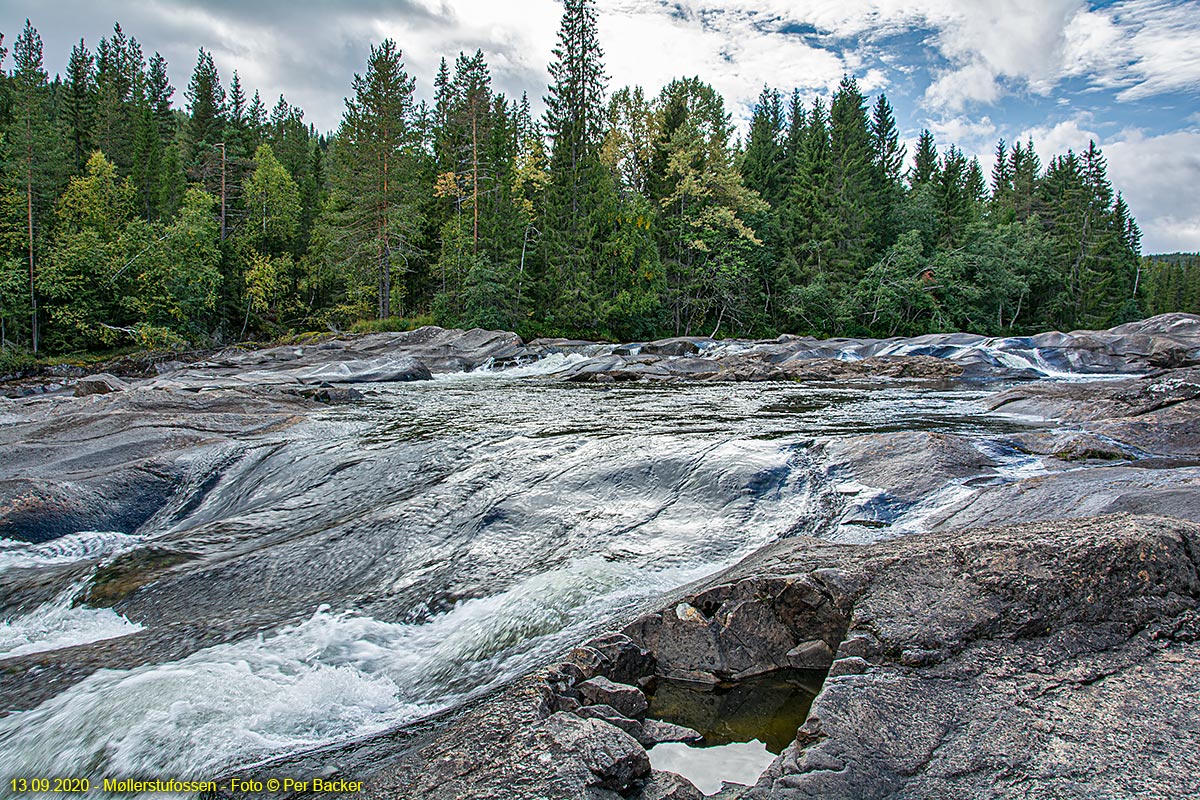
548 365
334 676
58 624
68 549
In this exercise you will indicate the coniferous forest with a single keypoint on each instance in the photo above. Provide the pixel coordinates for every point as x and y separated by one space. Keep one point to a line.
614 215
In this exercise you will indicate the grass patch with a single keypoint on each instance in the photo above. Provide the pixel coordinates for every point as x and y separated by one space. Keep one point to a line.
392 324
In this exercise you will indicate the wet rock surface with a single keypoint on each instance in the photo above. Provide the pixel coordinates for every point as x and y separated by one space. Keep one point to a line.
995 661
1052 659
110 462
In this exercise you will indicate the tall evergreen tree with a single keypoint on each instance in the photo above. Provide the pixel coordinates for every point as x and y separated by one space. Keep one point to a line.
79 102
762 163
925 161
578 202
206 122
120 84
377 148
887 154
33 156
854 183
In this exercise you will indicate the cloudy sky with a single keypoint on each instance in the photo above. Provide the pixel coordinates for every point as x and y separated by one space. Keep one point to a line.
1126 73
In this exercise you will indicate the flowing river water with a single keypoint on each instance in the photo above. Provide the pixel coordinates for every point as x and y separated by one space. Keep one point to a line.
429 543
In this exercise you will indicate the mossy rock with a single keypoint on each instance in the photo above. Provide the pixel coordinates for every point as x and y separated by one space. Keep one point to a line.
129 572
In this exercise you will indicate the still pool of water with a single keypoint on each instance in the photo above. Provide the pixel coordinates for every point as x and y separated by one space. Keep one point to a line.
745 725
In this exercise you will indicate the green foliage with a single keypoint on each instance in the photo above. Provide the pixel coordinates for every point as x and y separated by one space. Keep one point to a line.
81 281
1171 283
272 203
374 213
123 219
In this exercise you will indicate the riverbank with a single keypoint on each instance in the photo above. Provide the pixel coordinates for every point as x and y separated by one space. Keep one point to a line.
386 540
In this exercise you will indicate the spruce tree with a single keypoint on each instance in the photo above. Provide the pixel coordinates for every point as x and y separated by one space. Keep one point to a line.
120 82
856 202
887 154
762 163
79 102
579 200
206 108
925 161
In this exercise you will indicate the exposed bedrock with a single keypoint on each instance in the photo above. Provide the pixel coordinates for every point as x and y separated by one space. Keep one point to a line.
1054 659
1167 341
110 462
1122 446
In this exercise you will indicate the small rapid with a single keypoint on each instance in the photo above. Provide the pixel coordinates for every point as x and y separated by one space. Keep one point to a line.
385 561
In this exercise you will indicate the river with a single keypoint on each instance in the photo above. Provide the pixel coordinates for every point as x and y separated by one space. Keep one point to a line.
383 561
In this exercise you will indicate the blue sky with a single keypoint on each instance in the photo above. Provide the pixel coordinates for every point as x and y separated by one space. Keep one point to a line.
1125 72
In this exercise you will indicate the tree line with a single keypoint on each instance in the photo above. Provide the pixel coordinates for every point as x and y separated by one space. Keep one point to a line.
612 215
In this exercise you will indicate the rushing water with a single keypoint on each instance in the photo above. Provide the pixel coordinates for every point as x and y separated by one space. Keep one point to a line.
428 544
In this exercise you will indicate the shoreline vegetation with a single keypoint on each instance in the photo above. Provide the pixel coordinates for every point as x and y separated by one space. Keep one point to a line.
128 221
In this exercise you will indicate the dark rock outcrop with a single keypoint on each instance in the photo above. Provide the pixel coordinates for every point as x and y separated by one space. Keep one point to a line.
1050 659
109 462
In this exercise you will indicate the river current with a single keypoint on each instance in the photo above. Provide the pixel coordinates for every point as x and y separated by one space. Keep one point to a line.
426 545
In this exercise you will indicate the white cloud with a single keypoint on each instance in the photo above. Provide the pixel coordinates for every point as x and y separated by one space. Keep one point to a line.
963 131
1143 47
1157 175
1059 138
736 50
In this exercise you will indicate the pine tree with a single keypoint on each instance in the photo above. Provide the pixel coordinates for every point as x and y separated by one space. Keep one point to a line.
375 218
34 159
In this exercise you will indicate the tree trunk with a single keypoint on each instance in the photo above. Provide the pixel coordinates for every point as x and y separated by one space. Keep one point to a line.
33 315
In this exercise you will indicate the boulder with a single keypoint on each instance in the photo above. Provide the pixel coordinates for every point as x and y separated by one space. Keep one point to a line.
668 786
390 369
613 757
100 383
608 714
627 700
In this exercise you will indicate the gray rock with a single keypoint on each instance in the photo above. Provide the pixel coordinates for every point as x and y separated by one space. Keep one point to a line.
627 700
668 786
614 758
656 731
813 654
606 713
678 346
100 383
378 370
